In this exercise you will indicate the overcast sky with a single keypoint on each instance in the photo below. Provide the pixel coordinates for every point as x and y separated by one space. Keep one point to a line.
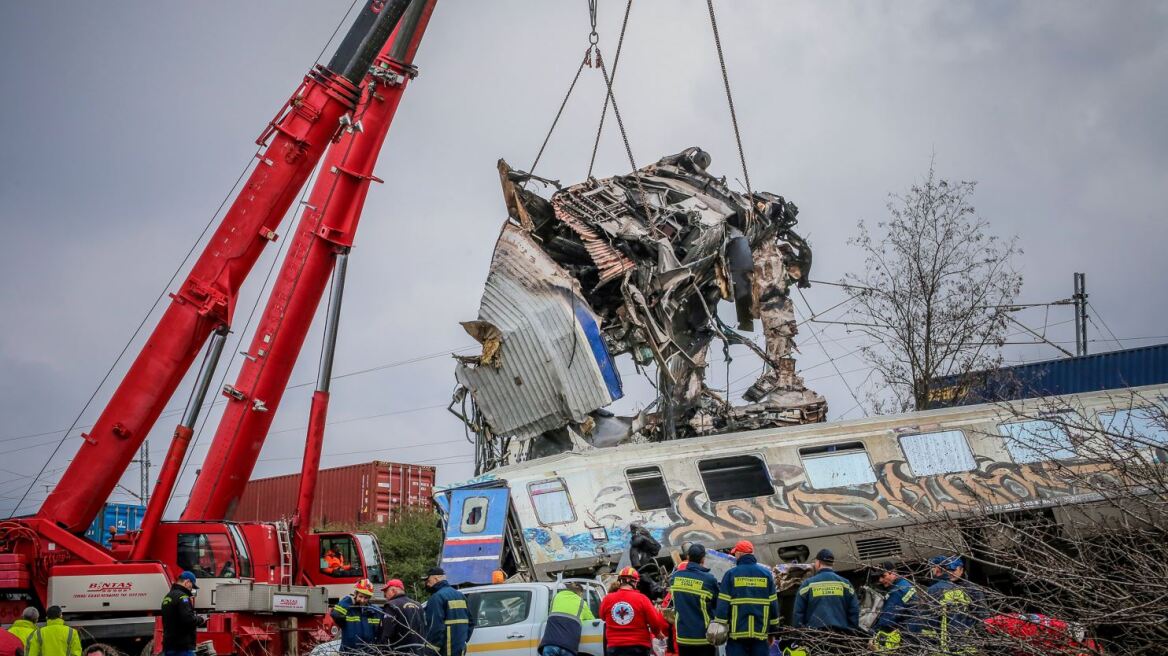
125 123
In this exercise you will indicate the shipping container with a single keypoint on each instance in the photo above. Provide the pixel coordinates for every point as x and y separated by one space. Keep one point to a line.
369 493
1134 367
122 517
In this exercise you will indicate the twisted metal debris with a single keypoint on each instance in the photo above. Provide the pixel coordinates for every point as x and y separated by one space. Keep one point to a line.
635 265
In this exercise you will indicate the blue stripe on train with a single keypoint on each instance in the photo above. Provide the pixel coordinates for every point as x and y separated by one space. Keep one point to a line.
599 352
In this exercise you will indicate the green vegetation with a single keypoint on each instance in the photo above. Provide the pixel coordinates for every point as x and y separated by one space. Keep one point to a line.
410 546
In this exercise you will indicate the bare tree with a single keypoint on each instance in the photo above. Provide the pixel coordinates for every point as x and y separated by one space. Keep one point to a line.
1084 571
930 293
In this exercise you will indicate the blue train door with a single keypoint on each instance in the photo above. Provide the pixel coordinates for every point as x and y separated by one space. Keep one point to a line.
474 534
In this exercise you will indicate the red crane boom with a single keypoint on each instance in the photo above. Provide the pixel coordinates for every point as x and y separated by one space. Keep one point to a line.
326 229
295 141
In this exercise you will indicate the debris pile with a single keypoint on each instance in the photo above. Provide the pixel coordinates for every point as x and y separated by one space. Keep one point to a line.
631 264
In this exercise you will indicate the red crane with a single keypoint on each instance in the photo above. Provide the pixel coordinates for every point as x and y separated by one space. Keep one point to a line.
326 232
44 559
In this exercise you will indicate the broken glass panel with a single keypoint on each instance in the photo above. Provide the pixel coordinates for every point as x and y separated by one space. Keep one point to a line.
942 452
1036 440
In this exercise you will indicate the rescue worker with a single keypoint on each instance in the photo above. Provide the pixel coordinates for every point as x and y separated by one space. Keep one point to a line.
667 608
404 626
951 607
179 619
631 621
749 589
448 621
561 634
54 638
643 550
24 626
358 620
695 598
10 645
827 601
333 564
897 615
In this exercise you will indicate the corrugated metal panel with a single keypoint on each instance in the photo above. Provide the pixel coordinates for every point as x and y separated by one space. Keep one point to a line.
1147 365
122 516
368 493
554 367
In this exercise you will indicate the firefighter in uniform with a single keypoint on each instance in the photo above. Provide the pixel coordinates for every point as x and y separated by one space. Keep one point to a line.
827 601
748 604
897 615
448 621
695 598
950 607
403 629
358 619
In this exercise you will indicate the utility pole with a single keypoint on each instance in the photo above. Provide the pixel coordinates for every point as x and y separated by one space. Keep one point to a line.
1080 299
144 473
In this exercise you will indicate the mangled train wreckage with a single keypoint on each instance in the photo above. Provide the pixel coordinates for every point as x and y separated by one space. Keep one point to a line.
632 264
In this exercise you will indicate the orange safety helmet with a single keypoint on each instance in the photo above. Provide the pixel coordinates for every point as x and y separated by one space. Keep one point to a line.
364 587
629 573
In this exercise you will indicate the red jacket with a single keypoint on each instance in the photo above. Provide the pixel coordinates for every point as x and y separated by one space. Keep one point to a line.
1039 632
630 619
10 645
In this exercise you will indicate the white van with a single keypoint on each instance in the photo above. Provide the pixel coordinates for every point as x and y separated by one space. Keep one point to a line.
510 618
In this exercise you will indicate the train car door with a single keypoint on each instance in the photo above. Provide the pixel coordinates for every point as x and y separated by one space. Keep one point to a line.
473 547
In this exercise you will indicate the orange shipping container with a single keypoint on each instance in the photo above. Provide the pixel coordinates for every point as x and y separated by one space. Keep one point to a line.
369 493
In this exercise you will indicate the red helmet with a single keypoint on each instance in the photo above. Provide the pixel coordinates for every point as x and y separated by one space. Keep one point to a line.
629 573
363 587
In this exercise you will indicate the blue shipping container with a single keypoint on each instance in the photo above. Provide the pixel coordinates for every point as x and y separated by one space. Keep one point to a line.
122 516
1146 365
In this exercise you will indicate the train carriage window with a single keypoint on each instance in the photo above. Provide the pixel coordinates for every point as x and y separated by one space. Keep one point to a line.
474 515
1036 440
942 452
551 502
735 477
648 487
837 465
1136 428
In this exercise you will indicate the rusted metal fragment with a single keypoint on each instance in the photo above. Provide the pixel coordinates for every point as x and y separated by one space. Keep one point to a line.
609 261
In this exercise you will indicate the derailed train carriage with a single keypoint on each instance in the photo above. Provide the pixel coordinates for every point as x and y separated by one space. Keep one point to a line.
868 489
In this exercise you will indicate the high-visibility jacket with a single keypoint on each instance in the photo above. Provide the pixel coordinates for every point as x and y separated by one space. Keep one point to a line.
827 601
747 601
565 622
22 628
898 614
695 597
333 563
54 639
448 621
950 611
360 624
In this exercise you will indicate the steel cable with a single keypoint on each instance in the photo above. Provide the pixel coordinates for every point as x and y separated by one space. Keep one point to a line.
730 102
620 43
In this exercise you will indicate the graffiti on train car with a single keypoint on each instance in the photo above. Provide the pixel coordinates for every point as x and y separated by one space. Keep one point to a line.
994 486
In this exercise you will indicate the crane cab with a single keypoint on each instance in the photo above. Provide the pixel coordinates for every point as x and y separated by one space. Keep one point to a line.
337 560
